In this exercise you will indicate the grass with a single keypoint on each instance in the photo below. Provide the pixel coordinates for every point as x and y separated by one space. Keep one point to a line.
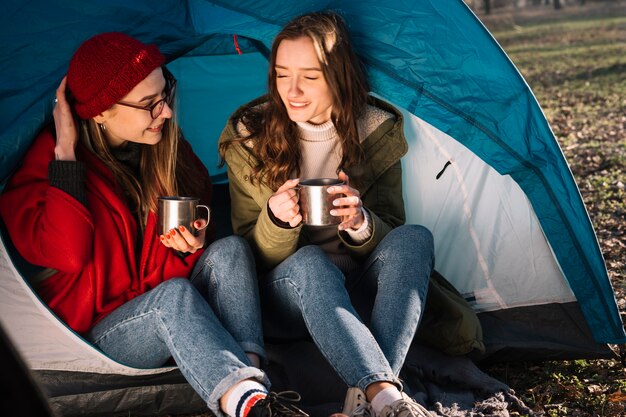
575 62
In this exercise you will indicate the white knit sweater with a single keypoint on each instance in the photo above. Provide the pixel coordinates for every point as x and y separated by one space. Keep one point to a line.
321 155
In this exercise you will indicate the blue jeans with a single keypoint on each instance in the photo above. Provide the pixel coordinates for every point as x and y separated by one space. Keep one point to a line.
206 323
308 294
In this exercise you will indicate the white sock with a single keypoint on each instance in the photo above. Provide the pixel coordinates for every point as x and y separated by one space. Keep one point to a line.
385 397
243 396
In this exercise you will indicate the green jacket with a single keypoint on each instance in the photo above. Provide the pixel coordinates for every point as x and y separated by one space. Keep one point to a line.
378 178
448 323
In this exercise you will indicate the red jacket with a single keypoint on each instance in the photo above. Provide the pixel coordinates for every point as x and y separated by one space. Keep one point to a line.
92 248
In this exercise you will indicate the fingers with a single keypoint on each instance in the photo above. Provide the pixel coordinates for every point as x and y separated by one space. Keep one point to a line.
288 211
349 206
62 107
296 219
284 197
200 224
60 92
287 185
183 240
353 222
346 211
286 194
352 217
343 177
343 189
66 131
284 203
353 200
165 238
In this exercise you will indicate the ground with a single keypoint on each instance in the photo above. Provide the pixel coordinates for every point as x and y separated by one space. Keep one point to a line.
575 62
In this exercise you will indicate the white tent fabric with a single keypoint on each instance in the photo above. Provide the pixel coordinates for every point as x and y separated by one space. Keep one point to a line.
444 187
45 342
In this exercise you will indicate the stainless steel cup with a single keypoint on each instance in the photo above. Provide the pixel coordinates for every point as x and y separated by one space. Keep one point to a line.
316 203
174 211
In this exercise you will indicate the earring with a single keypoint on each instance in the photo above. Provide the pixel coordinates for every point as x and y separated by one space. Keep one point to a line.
102 126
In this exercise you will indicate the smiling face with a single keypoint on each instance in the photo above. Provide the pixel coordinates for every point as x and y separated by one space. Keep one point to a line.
300 82
128 124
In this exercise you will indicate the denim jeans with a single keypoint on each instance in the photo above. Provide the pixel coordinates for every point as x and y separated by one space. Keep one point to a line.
206 323
308 294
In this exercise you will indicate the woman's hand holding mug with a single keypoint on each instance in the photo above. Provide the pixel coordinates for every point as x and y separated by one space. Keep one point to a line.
351 207
284 203
178 224
182 240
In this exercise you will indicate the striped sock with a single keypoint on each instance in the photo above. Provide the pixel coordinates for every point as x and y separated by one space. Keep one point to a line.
243 396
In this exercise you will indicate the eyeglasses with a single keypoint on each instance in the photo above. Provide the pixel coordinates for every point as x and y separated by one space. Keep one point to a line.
156 108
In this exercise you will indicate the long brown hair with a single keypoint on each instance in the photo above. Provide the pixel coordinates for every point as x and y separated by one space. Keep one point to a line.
274 136
159 173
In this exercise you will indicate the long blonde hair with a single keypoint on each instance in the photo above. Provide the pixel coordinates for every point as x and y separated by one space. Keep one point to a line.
274 135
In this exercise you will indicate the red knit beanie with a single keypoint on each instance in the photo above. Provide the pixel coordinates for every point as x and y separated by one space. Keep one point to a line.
105 68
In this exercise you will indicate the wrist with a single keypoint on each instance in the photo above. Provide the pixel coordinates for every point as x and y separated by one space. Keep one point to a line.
363 233
362 224
61 154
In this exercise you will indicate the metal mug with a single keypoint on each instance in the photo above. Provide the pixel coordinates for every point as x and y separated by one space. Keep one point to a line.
316 203
174 211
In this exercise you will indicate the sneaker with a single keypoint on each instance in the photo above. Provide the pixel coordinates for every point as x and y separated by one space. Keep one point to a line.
355 404
277 404
406 407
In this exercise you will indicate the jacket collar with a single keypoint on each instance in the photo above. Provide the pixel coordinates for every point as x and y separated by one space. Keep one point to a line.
383 148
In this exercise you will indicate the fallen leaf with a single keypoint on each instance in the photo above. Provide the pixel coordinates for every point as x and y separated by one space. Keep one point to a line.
617 397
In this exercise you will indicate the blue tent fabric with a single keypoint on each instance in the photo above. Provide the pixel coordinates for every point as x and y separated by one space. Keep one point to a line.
433 58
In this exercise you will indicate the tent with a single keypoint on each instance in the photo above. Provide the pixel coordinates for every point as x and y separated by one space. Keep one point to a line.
484 171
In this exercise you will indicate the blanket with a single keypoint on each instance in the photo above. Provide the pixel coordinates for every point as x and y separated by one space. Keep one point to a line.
448 386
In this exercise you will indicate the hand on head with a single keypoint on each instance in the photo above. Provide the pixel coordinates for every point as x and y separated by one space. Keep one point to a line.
66 130
183 240
113 68
284 203
349 206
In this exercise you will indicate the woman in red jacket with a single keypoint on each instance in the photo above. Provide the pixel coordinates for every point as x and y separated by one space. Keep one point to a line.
83 206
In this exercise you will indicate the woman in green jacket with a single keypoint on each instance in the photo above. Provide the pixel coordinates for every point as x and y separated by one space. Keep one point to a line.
318 121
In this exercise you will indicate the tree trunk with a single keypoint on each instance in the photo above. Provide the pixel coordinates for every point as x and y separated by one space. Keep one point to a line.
487 6
557 4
